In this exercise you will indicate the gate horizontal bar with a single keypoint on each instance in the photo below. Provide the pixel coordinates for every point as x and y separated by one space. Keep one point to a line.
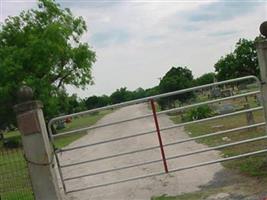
111 156
147 99
159 160
112 170
162 129
171 171
216 133
105 141
218 147
209 102
158 113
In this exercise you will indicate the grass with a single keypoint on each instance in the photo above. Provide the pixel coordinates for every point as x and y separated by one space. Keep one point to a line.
253 166
191 196
15 182
14 177
81 122
239 190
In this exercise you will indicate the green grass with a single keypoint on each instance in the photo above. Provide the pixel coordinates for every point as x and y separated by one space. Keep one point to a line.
81 122
86 120
12 134
253 166
190 196
15 182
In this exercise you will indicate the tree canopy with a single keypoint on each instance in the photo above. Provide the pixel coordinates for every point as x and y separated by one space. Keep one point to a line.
176 78
42 48
121 95
205 79
241 62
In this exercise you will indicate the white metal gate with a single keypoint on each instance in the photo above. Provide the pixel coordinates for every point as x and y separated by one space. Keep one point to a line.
164 158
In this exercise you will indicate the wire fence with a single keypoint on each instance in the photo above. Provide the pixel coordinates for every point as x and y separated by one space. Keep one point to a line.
14 177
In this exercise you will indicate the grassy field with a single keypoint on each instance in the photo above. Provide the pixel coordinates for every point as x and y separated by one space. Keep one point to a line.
14 177
15 183
253 166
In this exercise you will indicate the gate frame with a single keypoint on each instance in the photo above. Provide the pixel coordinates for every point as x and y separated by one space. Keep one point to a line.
158 129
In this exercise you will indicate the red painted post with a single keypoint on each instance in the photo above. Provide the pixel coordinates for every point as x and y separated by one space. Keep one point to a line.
159 136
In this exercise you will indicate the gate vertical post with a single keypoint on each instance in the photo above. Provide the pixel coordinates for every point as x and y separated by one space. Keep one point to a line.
261 46
36 146
159 135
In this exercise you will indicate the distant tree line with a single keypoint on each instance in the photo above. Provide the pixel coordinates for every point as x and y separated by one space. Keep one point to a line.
176 78
241 62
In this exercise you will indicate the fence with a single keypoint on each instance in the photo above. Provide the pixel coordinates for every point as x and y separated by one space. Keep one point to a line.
14 177
164 158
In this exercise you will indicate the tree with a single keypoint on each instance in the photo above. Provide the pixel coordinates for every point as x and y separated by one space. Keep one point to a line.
241 62
205 79
42 49
176 78
97 102
152 91
138 93
120 95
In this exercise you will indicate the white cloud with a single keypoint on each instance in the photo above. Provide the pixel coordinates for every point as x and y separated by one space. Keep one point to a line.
14 7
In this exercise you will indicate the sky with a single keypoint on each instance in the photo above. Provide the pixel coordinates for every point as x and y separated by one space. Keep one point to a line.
137 42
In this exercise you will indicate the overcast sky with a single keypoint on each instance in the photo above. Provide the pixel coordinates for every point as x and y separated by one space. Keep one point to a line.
137 42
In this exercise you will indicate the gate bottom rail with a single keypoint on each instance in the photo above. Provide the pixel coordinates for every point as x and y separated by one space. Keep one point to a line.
171 171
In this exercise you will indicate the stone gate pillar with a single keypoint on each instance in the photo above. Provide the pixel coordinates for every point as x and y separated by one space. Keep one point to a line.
36 146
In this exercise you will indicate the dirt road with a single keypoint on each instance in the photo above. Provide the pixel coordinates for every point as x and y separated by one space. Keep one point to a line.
170 184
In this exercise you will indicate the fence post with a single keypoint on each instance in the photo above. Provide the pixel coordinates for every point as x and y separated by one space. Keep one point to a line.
261 46
37 149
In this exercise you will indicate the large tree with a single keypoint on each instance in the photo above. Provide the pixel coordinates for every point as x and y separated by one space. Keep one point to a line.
42 48
121 95
97 101
241 62
176 78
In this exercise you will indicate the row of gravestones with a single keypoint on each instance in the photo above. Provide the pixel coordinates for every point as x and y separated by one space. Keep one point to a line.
219 92
228 108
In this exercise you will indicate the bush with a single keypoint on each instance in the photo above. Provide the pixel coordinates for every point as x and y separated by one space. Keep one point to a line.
197 113
11 143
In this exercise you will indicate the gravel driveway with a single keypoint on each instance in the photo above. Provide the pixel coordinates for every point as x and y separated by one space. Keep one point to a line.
170 184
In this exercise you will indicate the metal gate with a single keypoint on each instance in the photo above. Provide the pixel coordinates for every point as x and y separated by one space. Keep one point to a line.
157 131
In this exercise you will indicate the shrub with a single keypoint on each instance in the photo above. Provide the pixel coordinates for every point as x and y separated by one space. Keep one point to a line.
11 143
199 112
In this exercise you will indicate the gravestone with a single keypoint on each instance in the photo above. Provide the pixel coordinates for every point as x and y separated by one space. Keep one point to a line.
215 92
249 115
226 108
242 87
226 93
259 99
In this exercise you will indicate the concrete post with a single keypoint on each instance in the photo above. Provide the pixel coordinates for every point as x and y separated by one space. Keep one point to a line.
36 146
261 46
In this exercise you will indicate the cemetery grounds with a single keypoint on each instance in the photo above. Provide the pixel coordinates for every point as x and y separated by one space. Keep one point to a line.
242 178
